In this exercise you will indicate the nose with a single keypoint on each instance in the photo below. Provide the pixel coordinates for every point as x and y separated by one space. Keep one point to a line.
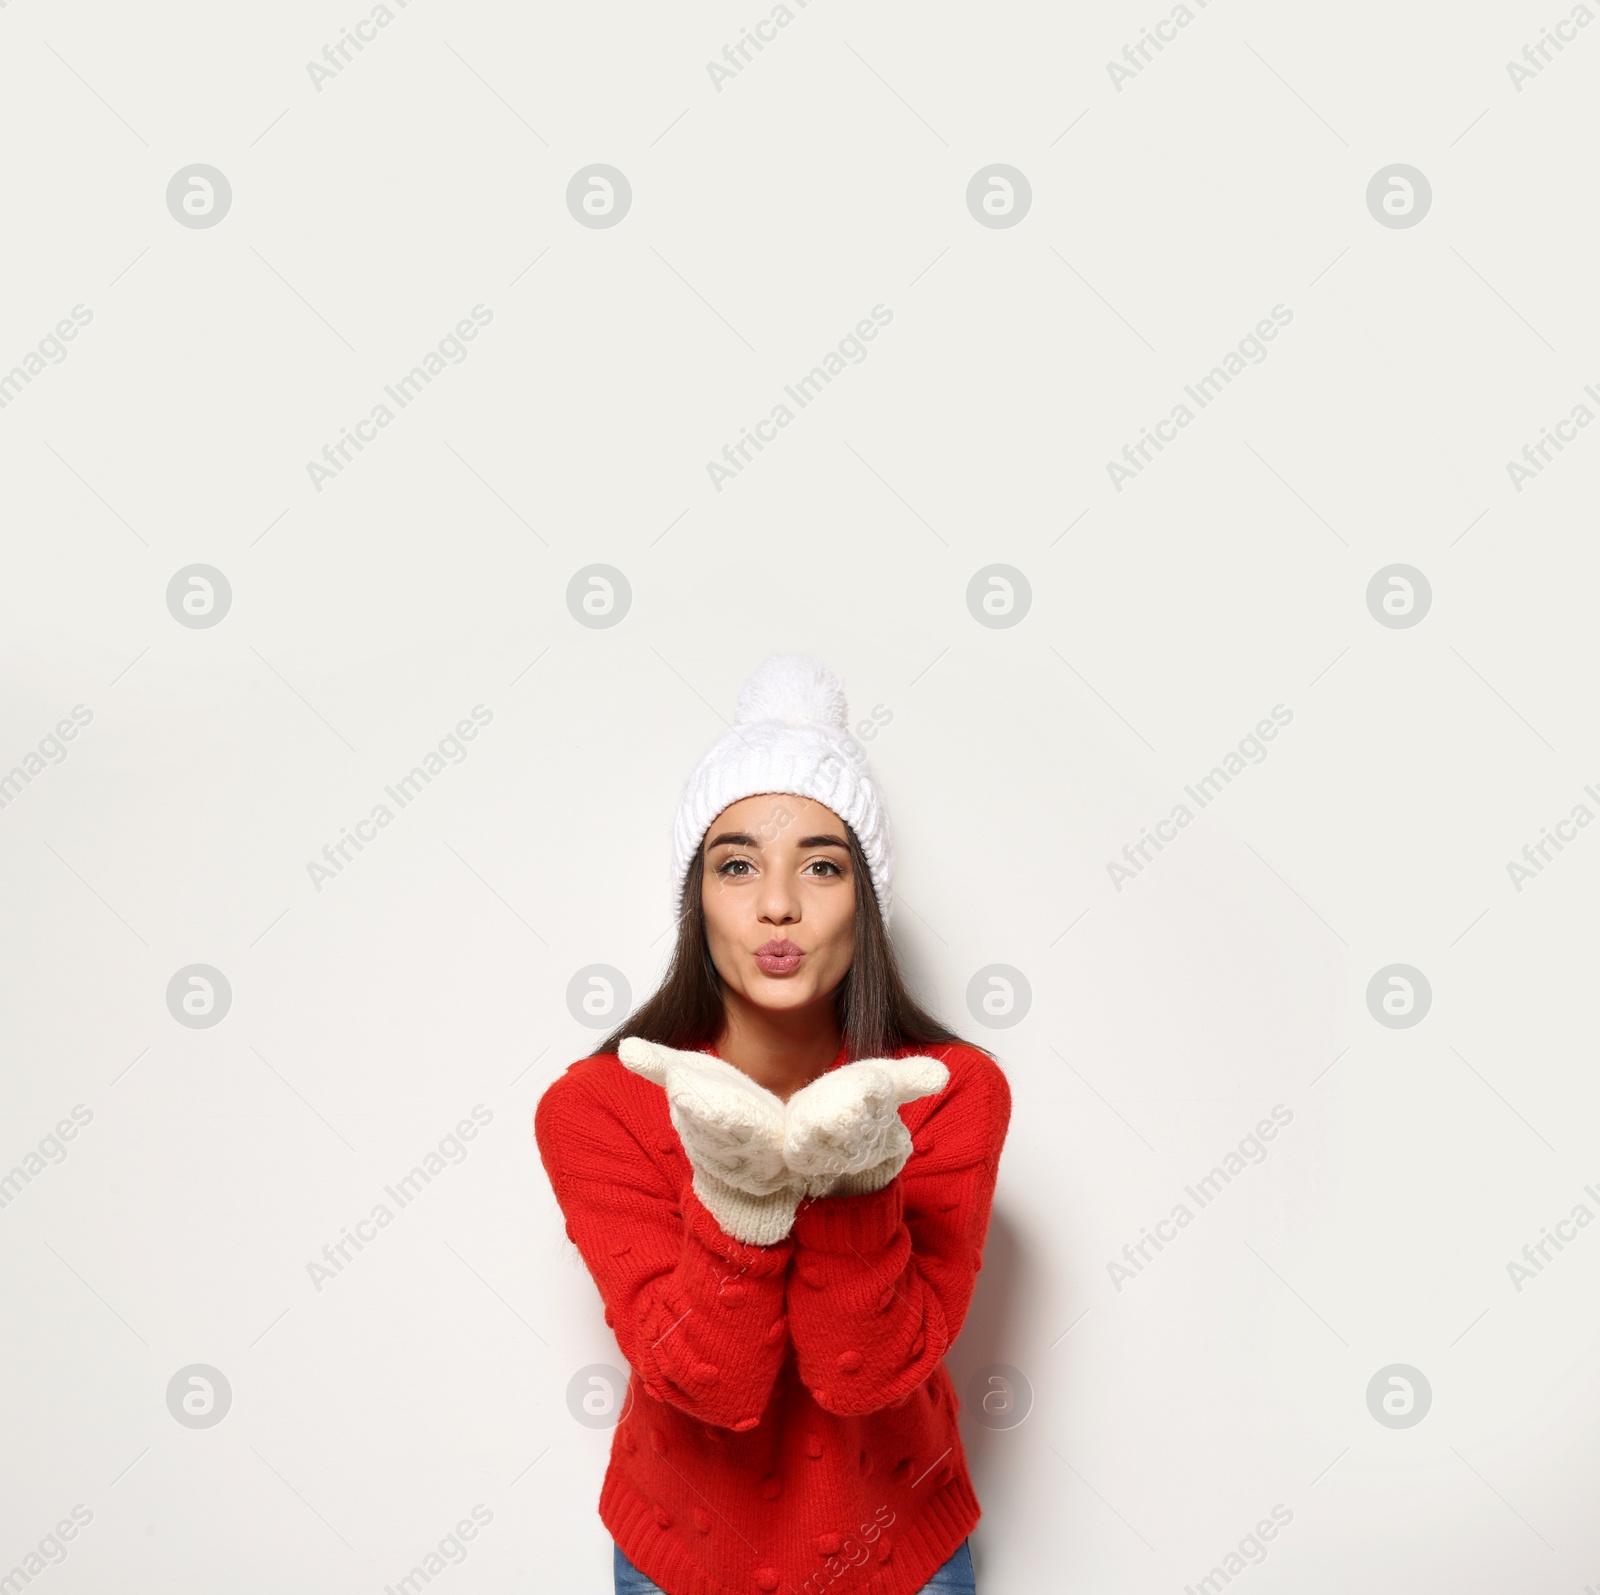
780 902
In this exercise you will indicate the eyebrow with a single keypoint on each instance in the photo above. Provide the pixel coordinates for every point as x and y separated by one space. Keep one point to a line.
745 839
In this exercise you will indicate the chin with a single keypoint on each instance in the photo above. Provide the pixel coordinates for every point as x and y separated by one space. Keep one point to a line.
775 992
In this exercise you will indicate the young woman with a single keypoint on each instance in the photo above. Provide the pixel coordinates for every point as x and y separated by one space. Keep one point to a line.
779 1172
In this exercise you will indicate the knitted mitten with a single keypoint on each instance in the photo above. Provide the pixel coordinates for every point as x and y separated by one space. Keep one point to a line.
732 1130
844 1134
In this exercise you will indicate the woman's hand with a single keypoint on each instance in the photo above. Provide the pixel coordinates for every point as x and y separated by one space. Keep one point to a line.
844 1134
733 1132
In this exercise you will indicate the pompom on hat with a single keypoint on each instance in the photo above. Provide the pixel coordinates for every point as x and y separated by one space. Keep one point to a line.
790 733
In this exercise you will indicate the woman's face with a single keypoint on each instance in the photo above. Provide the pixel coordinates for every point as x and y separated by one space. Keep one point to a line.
780 899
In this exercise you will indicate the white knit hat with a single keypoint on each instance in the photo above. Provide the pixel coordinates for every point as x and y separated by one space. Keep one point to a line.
790 733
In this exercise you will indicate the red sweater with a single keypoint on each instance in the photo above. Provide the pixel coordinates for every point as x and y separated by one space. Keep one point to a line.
790 1423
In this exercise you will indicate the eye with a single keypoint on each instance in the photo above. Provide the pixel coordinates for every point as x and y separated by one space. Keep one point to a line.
827 863
726 868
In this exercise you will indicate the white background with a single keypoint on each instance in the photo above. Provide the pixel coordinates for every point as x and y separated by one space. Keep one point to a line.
1168 615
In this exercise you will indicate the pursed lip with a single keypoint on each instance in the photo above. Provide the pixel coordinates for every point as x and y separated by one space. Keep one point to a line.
780 947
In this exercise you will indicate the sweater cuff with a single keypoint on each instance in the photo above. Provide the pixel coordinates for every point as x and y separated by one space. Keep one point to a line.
756 1261
866 1223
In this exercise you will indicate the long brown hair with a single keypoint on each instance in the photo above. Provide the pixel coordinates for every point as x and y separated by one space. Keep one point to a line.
877 1014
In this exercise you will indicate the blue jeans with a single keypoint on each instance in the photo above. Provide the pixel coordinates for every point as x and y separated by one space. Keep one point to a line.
955 1577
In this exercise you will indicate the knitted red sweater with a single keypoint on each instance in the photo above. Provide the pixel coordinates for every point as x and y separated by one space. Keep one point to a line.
790 1422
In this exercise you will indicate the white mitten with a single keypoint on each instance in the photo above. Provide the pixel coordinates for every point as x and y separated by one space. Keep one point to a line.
844 1134
732 1130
